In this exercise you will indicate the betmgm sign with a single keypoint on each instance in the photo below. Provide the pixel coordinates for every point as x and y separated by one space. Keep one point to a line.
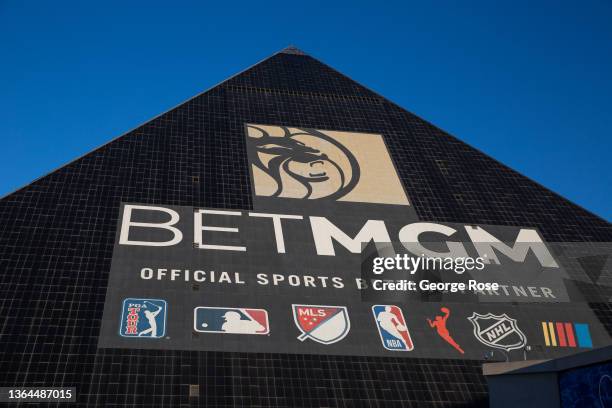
288 274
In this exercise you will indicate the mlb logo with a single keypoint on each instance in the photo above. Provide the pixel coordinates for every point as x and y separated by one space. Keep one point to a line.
392 328
143 318
323 324
230 320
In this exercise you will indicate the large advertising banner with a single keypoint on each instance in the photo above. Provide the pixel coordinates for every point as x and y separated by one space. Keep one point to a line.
333 259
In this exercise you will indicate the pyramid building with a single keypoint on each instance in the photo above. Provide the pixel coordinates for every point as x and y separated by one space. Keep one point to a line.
220 255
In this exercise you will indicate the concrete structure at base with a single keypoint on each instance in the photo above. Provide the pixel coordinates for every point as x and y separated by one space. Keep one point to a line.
549 383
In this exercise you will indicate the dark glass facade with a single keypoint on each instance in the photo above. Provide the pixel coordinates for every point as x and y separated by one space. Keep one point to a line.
57 235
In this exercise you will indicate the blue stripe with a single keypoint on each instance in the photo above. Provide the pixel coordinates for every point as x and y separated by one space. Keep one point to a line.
583 335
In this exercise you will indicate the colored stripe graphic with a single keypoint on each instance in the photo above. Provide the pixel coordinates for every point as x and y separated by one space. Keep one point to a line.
561 335
551 330
569 331
583 335
564 334
545 331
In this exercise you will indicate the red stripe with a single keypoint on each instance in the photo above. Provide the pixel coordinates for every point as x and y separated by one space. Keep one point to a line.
561 335
569 329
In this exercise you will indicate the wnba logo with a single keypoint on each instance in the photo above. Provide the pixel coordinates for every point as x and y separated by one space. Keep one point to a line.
312 164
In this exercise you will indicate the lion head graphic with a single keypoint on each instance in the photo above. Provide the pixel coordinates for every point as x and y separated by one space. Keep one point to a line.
302 163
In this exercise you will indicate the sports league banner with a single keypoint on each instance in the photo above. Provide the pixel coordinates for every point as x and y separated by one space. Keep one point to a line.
298 273
232 284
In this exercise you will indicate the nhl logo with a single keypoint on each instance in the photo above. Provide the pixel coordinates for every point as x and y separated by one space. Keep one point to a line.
323 324
499 332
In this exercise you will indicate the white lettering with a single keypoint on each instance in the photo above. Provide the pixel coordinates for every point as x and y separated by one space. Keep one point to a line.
127 223
198 228
485 244
278 227
324 232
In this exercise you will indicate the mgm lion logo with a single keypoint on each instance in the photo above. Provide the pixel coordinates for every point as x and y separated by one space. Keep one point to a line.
304 164
289 162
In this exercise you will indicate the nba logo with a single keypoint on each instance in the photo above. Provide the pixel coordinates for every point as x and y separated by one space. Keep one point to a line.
143 318
392 328
230 320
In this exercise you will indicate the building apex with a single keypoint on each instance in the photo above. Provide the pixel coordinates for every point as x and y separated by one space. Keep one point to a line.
292 50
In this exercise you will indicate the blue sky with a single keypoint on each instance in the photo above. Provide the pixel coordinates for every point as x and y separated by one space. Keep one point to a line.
529 83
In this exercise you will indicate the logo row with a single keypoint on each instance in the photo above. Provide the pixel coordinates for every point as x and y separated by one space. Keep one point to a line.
329 324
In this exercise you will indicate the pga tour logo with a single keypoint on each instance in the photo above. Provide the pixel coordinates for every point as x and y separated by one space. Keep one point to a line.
392 328
230 320
323 324
143 318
